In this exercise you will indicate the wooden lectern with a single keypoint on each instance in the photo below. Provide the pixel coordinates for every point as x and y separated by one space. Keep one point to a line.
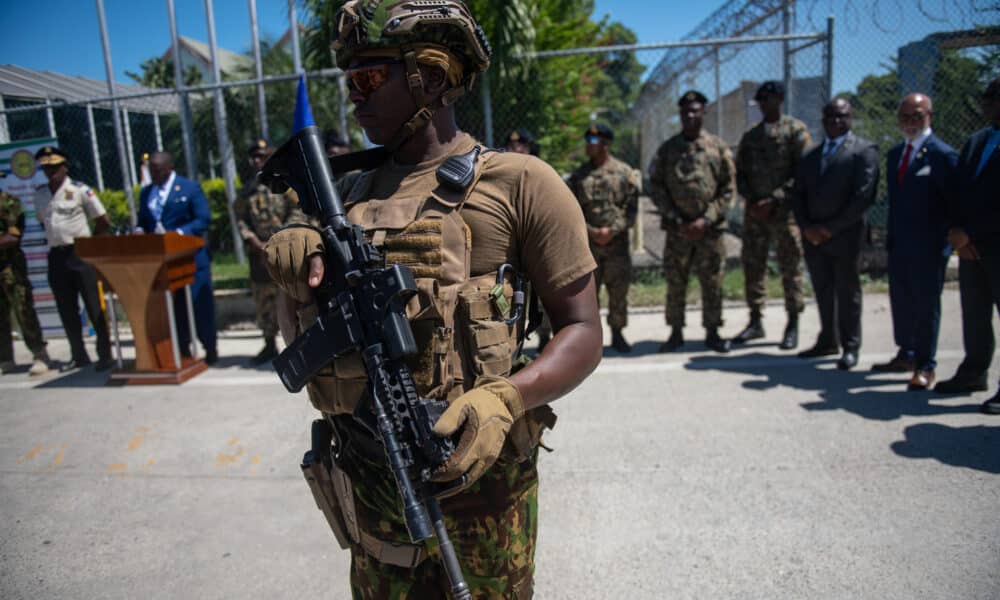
144 270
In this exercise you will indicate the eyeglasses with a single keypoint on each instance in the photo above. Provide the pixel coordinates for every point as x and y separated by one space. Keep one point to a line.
368 78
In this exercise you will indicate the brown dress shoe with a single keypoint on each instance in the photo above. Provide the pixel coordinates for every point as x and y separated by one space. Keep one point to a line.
921 380
896 365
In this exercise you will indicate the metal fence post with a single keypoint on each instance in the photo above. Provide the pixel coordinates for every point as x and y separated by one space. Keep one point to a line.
787 24
4 130
225 147
828 57
95 147
187 129
128 144
293 23
342 108
119 139
50 118
157 131
718 92
259 70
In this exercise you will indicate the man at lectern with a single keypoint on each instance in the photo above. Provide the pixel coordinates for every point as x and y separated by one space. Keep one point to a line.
173 203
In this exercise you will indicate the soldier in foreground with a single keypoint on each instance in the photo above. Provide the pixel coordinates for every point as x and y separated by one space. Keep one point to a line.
608 192
260 214
765 172
692 181
466 242
15 290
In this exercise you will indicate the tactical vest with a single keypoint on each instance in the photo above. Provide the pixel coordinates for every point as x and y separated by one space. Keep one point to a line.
457 319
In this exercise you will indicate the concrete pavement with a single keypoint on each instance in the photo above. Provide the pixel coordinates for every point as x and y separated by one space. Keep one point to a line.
690 475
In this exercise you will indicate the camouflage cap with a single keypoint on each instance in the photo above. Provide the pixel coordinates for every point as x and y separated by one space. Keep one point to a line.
599 130
50 155
381 24
770 87
692 96
259 147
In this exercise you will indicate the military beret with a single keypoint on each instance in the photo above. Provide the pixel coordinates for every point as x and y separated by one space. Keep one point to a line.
50 155
599 130
770 87
692 96
521 135
259 147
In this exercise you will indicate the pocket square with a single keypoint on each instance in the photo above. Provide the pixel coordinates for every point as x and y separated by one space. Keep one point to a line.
185 198
925 170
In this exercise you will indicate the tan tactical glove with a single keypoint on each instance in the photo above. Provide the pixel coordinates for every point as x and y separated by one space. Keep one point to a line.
487 412
287 256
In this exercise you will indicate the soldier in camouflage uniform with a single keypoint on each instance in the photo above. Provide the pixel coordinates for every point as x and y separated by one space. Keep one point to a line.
765 173
15 290
608 192
406 64
692 181
260 213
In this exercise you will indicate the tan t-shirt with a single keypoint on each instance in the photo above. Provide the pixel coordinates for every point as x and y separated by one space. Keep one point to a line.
519 212
65 214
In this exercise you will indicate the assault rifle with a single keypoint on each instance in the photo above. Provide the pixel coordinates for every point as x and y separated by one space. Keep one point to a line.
362 309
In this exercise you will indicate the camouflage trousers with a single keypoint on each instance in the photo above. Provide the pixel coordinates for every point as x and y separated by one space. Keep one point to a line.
265 297
492 525
614 270
757 237
706 257
15 298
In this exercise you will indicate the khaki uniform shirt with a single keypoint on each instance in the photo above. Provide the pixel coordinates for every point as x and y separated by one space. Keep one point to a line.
689 179
65 214
608 194
767 158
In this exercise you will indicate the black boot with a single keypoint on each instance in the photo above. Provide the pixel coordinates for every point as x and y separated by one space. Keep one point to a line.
791 338
675 341
268 353
753 331
714 342
618 341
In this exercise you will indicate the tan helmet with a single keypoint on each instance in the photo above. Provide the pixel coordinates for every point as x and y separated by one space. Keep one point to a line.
405 26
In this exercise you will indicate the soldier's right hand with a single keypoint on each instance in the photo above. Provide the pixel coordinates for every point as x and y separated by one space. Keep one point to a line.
294 259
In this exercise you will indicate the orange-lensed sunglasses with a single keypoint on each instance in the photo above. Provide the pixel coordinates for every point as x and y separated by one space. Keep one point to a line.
368 78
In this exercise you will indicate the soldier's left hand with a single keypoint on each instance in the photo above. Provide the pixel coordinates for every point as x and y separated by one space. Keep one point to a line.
761 210
695 230
484 414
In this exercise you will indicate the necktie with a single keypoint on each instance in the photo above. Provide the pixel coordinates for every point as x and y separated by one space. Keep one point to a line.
905 165
827 152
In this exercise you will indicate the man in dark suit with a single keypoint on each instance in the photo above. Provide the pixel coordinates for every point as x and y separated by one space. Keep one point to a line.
918 173
173 203
975 234
834 186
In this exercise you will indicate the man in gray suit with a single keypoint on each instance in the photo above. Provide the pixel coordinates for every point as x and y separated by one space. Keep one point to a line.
834 187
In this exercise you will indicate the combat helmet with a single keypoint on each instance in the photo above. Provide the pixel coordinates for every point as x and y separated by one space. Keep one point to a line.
404 26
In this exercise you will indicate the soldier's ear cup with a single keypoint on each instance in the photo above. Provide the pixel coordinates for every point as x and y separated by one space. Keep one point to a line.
288 253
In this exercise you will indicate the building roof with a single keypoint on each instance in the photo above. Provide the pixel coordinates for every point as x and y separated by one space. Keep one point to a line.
32 85
229 61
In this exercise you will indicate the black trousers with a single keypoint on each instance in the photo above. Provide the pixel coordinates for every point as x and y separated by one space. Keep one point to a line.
69 278
833 268
979 281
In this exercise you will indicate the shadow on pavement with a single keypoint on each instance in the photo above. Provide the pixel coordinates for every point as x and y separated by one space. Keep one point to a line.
838 390
973 447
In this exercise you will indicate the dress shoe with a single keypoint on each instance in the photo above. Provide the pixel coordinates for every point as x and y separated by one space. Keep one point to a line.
921 381
819 350
753 331
675 341
211 356
790 339
898 364
716 343
268 353
73 365
961 384
991 406
618 341
848 360
104 364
